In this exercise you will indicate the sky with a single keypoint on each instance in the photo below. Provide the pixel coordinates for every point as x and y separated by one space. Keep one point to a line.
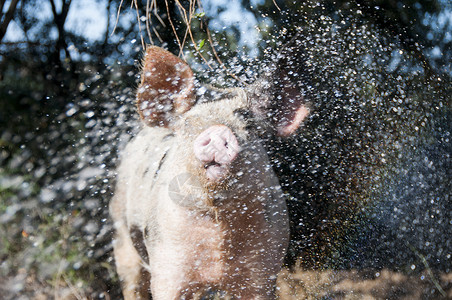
85 16
89 18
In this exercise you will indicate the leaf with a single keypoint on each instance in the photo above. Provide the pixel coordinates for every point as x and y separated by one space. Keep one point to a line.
199 15
201 43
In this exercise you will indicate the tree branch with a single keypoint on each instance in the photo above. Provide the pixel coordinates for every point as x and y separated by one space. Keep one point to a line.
65 10
2 3
60 20
107 31
54 11
8 17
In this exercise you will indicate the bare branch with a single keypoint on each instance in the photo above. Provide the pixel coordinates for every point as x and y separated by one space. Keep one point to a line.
181 46
8 17
188 24
60 20
148 21
143 44
209 36
54 11
107 30
2 3
274 2
65 10
187 16
117 17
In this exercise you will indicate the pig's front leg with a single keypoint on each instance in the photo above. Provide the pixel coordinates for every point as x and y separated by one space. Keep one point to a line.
135 280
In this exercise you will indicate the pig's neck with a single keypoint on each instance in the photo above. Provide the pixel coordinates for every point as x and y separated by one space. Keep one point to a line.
221 247
242 215
230 239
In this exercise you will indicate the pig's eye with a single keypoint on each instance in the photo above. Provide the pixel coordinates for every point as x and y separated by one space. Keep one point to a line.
243 113
247 117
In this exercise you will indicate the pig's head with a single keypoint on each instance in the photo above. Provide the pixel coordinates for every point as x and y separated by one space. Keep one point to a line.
215 129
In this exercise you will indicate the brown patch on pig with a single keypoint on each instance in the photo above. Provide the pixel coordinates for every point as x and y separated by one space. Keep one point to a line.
137 237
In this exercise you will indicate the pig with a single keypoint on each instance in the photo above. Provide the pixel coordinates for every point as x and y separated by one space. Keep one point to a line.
198 211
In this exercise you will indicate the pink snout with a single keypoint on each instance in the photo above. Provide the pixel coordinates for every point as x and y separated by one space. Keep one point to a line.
216 147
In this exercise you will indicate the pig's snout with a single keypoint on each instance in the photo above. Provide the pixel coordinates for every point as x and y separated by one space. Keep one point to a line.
216 147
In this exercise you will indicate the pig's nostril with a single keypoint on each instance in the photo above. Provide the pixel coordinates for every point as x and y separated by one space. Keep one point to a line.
212 163
206 142
216 147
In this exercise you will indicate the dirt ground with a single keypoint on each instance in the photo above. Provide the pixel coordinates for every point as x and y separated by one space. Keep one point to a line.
363 285
300 284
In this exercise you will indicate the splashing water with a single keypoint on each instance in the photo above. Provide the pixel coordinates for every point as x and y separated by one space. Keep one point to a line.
368 175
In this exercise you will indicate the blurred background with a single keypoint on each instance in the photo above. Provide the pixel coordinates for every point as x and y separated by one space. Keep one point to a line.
367 178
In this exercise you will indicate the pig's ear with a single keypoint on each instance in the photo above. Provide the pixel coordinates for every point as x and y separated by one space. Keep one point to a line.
166 89
280 97
289 107
291 83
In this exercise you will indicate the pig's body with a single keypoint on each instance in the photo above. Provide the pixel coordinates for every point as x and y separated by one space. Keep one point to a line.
198 210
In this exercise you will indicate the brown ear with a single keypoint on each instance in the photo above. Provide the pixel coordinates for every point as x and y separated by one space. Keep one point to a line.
290 108
166 89
278 98
291 87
